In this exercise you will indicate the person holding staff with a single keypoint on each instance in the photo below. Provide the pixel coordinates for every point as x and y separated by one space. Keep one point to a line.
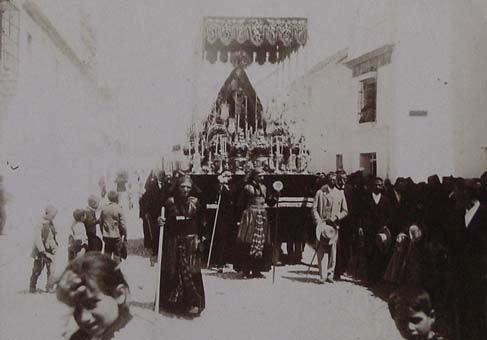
181 287
225 222
253 246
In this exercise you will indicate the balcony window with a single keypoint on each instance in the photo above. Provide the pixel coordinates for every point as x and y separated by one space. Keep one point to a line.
368 161
339 162
368 100
9 37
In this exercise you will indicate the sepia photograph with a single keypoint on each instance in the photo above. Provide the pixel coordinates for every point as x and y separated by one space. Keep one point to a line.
243 170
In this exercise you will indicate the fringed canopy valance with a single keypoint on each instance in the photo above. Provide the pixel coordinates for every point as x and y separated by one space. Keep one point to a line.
262 39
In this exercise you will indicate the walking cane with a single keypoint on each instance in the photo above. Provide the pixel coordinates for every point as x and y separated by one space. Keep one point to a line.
159 263
277 185
214 228
313 258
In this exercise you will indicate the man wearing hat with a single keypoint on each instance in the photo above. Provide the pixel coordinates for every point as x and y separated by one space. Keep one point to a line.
112 222
329 208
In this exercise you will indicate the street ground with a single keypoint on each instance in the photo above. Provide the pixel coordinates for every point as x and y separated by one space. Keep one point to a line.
294 307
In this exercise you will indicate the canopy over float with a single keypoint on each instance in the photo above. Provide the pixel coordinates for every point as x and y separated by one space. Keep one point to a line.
238 133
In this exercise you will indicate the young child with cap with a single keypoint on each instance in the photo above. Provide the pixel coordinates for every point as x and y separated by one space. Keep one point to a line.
78 240
44 248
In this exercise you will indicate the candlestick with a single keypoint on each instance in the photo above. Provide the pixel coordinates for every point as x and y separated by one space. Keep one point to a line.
246 119
237 123
256 112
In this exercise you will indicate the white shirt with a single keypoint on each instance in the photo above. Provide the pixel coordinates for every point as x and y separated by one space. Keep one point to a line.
339 208
78 232
470 213
376 197
398 196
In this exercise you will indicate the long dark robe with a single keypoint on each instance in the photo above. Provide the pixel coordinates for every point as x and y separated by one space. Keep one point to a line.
181 280
150 205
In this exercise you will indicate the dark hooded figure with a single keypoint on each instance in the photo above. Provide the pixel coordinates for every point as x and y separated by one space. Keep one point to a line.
225 232
150 209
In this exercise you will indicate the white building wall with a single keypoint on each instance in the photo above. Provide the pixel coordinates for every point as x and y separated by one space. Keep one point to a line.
438 65
331 119
423 145
468 84
51 129
324 91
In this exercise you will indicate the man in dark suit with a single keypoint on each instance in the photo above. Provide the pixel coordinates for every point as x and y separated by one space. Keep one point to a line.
469 252
375 221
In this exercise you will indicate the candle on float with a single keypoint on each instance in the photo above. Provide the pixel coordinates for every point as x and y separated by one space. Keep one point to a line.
256 126
246 119
236 111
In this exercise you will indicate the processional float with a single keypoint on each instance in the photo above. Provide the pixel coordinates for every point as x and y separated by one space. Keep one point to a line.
238 133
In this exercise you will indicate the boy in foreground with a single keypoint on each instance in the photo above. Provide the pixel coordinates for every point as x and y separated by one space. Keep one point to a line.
413 314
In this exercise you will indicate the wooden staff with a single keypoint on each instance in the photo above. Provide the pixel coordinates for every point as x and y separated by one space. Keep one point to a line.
276 229
159 263
214 228
277 186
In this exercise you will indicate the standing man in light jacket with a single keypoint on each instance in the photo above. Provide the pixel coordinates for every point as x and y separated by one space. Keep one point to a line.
329 208
114 231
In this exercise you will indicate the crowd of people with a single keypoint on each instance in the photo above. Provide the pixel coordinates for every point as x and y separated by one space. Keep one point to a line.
428 238
431 235
83 236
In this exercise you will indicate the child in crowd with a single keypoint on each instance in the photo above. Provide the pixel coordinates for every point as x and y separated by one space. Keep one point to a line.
78 240
91 221
413 314
95 287
44 248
